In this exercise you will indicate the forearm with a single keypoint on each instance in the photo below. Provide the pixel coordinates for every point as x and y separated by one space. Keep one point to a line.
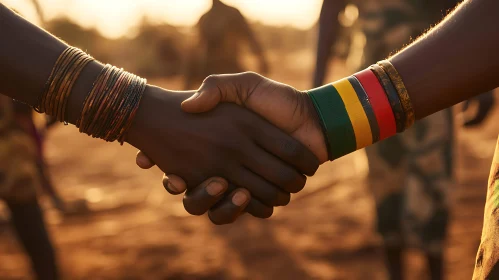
27 56
455 61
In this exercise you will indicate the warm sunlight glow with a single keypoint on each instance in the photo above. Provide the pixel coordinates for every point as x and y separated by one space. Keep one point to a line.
115 18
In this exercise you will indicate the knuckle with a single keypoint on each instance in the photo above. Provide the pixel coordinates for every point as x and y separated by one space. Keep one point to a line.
251 74
260 211
267 194
253 79
288 180
211 80
313 169
273 196
281 198
291 149
297 184
286 199
267 214
287 176
304 182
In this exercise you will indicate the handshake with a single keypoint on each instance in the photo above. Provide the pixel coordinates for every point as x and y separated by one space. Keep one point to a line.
226 159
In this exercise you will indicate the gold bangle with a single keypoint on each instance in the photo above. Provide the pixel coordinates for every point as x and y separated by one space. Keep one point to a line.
405 100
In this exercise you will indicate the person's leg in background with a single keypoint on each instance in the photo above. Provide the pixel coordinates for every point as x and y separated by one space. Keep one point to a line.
426 192
387 170
29 225
19 181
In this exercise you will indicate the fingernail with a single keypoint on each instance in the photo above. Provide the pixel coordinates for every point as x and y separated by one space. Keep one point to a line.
142 161
240 198
172 188
215 188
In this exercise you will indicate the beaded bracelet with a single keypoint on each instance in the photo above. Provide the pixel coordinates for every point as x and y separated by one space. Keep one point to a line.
362 109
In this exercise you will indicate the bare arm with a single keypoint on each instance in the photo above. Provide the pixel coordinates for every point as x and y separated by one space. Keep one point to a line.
27 54
455 61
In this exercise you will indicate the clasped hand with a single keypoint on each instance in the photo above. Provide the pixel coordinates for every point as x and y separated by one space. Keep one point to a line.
229 160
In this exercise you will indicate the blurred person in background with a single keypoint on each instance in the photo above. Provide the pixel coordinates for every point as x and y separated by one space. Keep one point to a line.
411 195
24 117
222 32
21 172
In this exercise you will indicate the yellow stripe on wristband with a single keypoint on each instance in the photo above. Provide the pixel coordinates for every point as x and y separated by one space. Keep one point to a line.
358 117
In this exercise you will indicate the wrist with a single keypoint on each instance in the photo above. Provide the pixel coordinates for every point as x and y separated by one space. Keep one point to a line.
316 133
140 123
155 99
362 109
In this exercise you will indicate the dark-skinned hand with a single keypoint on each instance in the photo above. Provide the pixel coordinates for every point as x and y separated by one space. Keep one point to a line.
287 108
228 142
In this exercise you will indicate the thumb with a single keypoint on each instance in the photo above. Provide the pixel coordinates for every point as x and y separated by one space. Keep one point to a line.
201 101
215 89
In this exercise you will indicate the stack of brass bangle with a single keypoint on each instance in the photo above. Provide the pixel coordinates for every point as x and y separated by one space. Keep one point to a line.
404 101
111 105
109 108
66 71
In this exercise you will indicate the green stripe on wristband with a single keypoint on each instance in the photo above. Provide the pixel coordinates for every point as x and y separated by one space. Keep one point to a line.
323 126
340 135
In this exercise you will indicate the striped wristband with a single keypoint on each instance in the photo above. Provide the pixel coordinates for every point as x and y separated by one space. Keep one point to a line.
362 109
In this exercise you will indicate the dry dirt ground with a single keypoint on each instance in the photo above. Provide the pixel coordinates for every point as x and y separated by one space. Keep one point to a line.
135 230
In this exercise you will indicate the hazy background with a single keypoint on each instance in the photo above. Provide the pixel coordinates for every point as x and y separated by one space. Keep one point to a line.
116 18
133 229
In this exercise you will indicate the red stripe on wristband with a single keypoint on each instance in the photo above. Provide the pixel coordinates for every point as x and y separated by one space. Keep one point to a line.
379 102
